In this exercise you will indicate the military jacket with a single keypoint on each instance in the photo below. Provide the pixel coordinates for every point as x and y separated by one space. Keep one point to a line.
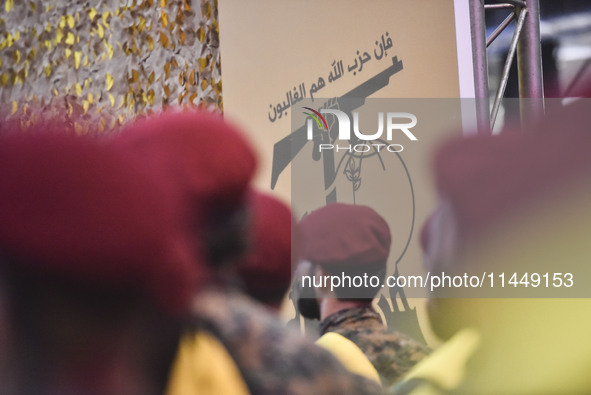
271 358
391 352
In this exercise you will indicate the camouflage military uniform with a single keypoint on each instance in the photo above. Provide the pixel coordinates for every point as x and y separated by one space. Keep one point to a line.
271 358
392 353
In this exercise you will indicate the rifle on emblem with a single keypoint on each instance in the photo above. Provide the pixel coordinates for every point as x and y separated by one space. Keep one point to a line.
285 150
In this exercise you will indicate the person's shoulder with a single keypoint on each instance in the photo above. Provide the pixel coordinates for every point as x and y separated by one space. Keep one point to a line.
272 357
382 334
400 346
406 341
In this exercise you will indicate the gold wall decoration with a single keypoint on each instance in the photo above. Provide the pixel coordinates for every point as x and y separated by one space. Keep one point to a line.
107 61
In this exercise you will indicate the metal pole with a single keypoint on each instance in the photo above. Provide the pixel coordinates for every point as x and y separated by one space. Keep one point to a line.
529 62
498 6
500 29
507 67
478 28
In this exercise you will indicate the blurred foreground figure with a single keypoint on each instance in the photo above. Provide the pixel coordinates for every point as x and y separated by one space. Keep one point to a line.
513 203
342 240
210 164
265 272
96 275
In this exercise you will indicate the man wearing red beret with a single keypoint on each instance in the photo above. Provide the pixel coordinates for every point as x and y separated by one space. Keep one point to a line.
96 275
264 273
516 206
209 165
342 241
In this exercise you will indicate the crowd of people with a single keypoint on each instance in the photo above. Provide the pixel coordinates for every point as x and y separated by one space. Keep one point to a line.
146 262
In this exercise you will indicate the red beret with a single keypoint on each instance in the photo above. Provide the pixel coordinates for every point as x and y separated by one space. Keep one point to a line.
266 270
490 178
344 233
76 208
207 158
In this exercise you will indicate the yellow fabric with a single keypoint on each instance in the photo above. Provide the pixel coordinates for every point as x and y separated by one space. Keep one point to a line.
446 365
203 366
539 346
349 354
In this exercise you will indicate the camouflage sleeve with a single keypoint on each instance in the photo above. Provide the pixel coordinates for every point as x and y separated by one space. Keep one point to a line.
272 358
395 357
391 352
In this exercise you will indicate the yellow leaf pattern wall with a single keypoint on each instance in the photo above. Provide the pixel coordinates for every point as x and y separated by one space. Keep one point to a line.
106 61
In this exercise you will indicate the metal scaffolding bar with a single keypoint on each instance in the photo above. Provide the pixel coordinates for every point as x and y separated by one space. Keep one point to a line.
478 27
507 67
526 43
498 6
507 4
500 28
518 3
529 56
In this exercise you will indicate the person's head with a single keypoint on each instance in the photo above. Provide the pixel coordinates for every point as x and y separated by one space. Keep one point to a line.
514 202
96 273
346 248
210 163
265 271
